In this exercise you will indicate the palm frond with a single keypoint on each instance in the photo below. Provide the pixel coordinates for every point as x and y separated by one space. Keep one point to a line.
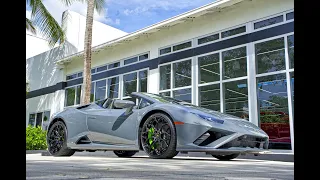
47 25
30 27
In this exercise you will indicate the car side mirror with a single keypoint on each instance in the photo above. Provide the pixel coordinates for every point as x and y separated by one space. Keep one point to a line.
122 104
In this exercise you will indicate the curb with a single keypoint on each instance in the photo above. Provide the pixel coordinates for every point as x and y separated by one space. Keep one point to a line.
35 151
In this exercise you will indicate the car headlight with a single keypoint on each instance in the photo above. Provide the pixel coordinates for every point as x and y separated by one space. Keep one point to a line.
208 118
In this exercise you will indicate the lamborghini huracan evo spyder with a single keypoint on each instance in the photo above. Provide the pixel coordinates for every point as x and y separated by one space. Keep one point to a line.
158 125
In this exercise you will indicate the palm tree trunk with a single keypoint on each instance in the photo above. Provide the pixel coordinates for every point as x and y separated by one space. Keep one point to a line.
86 87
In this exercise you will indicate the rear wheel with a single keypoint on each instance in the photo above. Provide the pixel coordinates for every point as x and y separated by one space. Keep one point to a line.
125 153
158 137
57 140
226 157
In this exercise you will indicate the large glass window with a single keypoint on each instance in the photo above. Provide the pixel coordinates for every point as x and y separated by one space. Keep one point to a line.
182 74
273 110
292 92
233 32
100 90
70 96
209 68
113 65
46 118
234 63
32 118
39 119
291 51
209 97
183 94
270 56
165 50
131 60
92 92
236 98
129 84
165 77
290 16
181 46
268 22
78 94
113 87
208 38
143 81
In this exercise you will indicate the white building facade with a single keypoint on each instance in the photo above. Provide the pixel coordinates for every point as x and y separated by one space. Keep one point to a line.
232 56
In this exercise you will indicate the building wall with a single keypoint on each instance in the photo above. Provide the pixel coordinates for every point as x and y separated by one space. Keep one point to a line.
101 33
241 13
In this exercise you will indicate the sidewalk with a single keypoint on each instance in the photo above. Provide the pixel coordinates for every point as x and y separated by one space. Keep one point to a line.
273 155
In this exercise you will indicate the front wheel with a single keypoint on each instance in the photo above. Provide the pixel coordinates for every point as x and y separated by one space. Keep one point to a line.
158 137
125 153
57 140
226 157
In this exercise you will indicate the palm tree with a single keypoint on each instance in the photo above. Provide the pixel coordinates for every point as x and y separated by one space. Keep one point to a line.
86 87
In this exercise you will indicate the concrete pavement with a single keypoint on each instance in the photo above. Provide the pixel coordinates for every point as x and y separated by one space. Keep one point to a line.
100 165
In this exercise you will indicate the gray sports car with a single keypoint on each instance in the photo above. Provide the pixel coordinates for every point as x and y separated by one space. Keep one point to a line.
158 125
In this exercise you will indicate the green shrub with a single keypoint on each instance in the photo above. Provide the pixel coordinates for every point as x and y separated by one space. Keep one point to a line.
35 138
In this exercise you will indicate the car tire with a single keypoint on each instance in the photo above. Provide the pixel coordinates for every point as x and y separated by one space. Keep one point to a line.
125 153
57 140
164 136
226 157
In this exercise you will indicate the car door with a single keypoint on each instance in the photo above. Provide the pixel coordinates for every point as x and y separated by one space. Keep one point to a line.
112 126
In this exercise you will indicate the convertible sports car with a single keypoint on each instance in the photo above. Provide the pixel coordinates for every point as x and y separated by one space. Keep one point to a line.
158 125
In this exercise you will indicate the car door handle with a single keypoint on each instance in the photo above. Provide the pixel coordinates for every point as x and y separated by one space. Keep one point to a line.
91 117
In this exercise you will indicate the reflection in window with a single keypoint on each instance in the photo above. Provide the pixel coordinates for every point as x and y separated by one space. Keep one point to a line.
273 110
183 94
168 94
181 46
270 56
46 118
209 68
165 77
131 60
129 84
70 96
113 87
182 74
144 103
208 38
292 93
73 76
233 31
236 98
39 119
102 68
100 90
234 63
78 94
165 50
143 81
143 57
92 92
209 97
291 51
290 16
268 22
80 74
32 118
113 65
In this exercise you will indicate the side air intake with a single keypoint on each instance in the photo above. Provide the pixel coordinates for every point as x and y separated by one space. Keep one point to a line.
84 140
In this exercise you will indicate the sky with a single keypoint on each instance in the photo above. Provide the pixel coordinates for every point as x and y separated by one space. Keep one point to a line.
128 15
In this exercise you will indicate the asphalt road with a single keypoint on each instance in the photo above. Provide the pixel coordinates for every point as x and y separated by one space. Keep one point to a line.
107 166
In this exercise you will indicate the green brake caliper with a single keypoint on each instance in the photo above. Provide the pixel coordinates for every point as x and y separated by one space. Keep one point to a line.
150 137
